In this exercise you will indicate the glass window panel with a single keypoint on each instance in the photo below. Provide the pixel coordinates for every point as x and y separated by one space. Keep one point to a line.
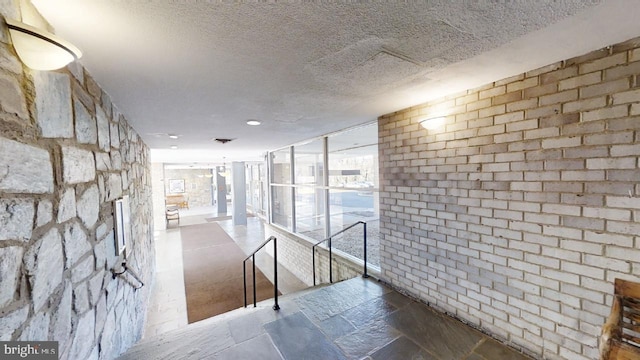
309 163
281 173
258 188
348 207
264 197
255 189
248 188
353 159
310 212
353 194
281 209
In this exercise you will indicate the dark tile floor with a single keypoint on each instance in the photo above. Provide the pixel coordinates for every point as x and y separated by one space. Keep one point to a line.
354 319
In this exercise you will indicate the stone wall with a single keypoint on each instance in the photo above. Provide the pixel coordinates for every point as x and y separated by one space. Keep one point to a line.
66 153
197 185
517 214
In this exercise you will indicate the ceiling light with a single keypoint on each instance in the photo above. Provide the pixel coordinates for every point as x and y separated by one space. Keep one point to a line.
173 136
39 49
174 147
254 122
432 123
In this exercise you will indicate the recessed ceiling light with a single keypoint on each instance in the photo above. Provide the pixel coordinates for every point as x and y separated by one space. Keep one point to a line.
173 136
253 122
174 147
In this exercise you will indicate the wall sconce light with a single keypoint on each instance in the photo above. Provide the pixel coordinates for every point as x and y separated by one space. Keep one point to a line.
39 49
432 123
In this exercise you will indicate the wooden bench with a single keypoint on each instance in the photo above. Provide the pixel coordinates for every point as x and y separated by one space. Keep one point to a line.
178 200
620 339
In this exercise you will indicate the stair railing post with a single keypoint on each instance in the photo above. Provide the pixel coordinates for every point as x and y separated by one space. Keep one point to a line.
313 263
330 264
253 259
365 275
244 281
275 274
252 256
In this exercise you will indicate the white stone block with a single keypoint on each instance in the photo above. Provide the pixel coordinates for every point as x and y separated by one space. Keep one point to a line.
10 262
86 130
116 160
84 337
24 168
81 298
12 98
101 315
37 329
115 136
104 139
67 206
45 212
76 69
53 104
83 270
44 267
8 61
101 187
125 180
12 321
88 206
113 187
78 165
108 339
16 219
95 287
103 161
75 243
100 253
61 319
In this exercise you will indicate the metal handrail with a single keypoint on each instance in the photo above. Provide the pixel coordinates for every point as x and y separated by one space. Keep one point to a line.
313 250
252 256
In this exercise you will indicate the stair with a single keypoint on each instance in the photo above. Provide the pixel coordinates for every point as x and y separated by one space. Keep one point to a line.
354 319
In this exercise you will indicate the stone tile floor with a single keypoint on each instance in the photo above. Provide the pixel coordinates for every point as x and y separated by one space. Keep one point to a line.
354 319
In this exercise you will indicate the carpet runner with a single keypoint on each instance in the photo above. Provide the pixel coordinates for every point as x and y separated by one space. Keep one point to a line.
213 272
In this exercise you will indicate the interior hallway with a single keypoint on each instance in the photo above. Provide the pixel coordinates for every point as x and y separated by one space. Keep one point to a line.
354 319
167 305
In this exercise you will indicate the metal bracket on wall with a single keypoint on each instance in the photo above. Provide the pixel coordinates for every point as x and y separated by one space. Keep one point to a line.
125 268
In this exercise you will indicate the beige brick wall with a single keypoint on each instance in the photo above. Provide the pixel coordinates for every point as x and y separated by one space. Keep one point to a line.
294 253
528 201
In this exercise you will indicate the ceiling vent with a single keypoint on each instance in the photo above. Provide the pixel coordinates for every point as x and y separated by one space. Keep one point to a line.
223 141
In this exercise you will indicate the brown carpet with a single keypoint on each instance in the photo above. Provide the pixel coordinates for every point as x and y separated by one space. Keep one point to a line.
213 272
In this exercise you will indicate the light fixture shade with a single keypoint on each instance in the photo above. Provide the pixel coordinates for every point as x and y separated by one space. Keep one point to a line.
39 49
432 123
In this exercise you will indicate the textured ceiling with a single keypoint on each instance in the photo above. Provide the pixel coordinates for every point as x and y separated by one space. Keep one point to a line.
202 68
